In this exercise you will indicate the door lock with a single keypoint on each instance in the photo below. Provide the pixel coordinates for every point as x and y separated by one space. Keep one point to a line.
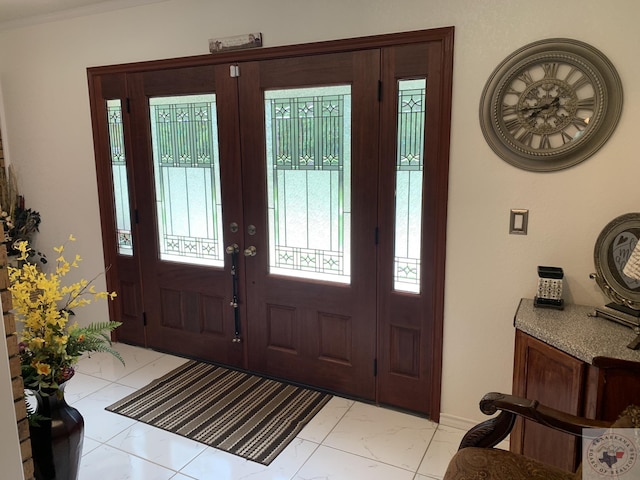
250 252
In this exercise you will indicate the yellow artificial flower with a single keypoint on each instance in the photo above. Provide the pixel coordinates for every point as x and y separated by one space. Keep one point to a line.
42 368
36 343
50 346
63 268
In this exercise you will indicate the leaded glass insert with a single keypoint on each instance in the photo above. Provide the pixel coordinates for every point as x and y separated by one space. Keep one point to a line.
124 239
409 173
308 147
184 132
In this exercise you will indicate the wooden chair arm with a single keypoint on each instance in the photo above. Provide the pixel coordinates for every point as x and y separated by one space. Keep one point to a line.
491 432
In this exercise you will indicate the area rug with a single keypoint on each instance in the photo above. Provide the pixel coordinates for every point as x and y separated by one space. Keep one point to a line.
246 415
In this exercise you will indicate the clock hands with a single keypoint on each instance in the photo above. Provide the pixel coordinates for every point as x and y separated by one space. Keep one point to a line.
535 110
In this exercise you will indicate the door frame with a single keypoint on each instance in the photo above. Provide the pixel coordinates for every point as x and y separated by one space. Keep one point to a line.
441 38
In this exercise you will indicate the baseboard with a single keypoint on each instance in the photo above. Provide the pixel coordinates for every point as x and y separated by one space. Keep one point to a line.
457 422
465 424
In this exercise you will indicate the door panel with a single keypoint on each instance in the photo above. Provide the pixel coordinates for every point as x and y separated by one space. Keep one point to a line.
191 169
312 330
411 251
113 139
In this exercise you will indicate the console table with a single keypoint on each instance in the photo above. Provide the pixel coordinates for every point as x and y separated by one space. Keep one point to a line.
574 362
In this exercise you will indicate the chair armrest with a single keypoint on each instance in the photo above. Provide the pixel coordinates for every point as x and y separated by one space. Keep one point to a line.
491 432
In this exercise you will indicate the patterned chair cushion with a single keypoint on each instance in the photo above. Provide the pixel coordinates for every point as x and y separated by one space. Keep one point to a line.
493 464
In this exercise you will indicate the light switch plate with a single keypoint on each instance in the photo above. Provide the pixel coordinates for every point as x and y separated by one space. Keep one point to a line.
518 221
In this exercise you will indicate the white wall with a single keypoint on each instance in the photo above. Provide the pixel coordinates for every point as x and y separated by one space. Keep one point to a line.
43 75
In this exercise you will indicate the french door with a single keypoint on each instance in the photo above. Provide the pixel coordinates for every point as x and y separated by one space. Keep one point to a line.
283 213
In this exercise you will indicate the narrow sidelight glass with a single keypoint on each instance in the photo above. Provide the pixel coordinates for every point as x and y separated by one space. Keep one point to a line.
124 238
409 181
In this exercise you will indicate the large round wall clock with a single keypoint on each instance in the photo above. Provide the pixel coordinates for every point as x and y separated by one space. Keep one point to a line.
551 104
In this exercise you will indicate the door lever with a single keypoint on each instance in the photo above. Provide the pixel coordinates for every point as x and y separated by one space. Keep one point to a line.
250 251
233 251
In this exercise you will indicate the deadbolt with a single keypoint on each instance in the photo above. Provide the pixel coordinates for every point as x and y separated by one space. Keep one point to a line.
251 229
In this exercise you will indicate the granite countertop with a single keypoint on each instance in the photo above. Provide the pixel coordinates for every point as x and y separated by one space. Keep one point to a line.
573 331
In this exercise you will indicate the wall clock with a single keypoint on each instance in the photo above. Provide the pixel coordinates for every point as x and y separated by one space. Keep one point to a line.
551 104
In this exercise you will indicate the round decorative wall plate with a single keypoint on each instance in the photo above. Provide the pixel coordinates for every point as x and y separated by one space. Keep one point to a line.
551 104
611 253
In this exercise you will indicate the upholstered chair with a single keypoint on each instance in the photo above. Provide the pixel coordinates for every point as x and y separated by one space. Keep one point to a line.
478 460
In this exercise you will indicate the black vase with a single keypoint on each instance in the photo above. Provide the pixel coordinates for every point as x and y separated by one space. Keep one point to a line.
56 444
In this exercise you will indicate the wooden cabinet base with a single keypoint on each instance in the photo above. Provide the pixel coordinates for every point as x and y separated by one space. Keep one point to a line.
600 390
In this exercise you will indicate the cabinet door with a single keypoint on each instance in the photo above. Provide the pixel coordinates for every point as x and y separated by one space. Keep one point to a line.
611 386
555 379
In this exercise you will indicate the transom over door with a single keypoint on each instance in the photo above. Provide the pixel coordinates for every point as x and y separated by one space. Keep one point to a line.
289 220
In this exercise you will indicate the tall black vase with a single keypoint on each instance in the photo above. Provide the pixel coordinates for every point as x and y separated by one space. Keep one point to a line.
56 443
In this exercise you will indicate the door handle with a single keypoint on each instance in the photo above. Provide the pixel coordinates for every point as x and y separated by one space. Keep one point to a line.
231 249
250 251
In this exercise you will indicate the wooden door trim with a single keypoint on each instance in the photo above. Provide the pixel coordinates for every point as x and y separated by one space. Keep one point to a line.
443 34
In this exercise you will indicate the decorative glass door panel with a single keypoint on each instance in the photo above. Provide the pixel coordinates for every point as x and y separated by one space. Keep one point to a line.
409 172
308 154
184 135
124 239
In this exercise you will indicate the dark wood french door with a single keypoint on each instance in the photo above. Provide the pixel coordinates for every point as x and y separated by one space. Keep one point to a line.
284 211
319 328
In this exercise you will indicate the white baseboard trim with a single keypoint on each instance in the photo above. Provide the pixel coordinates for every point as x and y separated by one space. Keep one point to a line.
457 422
465 424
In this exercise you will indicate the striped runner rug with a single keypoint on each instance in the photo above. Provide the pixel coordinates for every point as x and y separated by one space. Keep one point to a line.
246 415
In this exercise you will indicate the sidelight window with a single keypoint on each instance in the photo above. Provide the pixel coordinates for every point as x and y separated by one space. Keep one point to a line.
124 239
409 180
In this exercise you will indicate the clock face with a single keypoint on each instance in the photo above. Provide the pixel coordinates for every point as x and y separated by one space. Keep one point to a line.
550 105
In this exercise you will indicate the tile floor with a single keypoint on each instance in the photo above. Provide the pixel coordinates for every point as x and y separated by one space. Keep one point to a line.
346 440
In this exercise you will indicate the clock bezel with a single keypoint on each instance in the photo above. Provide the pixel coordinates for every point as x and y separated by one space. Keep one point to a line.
606 83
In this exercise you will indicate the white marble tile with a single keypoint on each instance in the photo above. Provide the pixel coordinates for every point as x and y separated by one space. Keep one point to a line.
213 464
107 463
443 446
330 464
359 441
325 420
100 424
88 445
382 434
155 369
82 385
106 366
158 446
